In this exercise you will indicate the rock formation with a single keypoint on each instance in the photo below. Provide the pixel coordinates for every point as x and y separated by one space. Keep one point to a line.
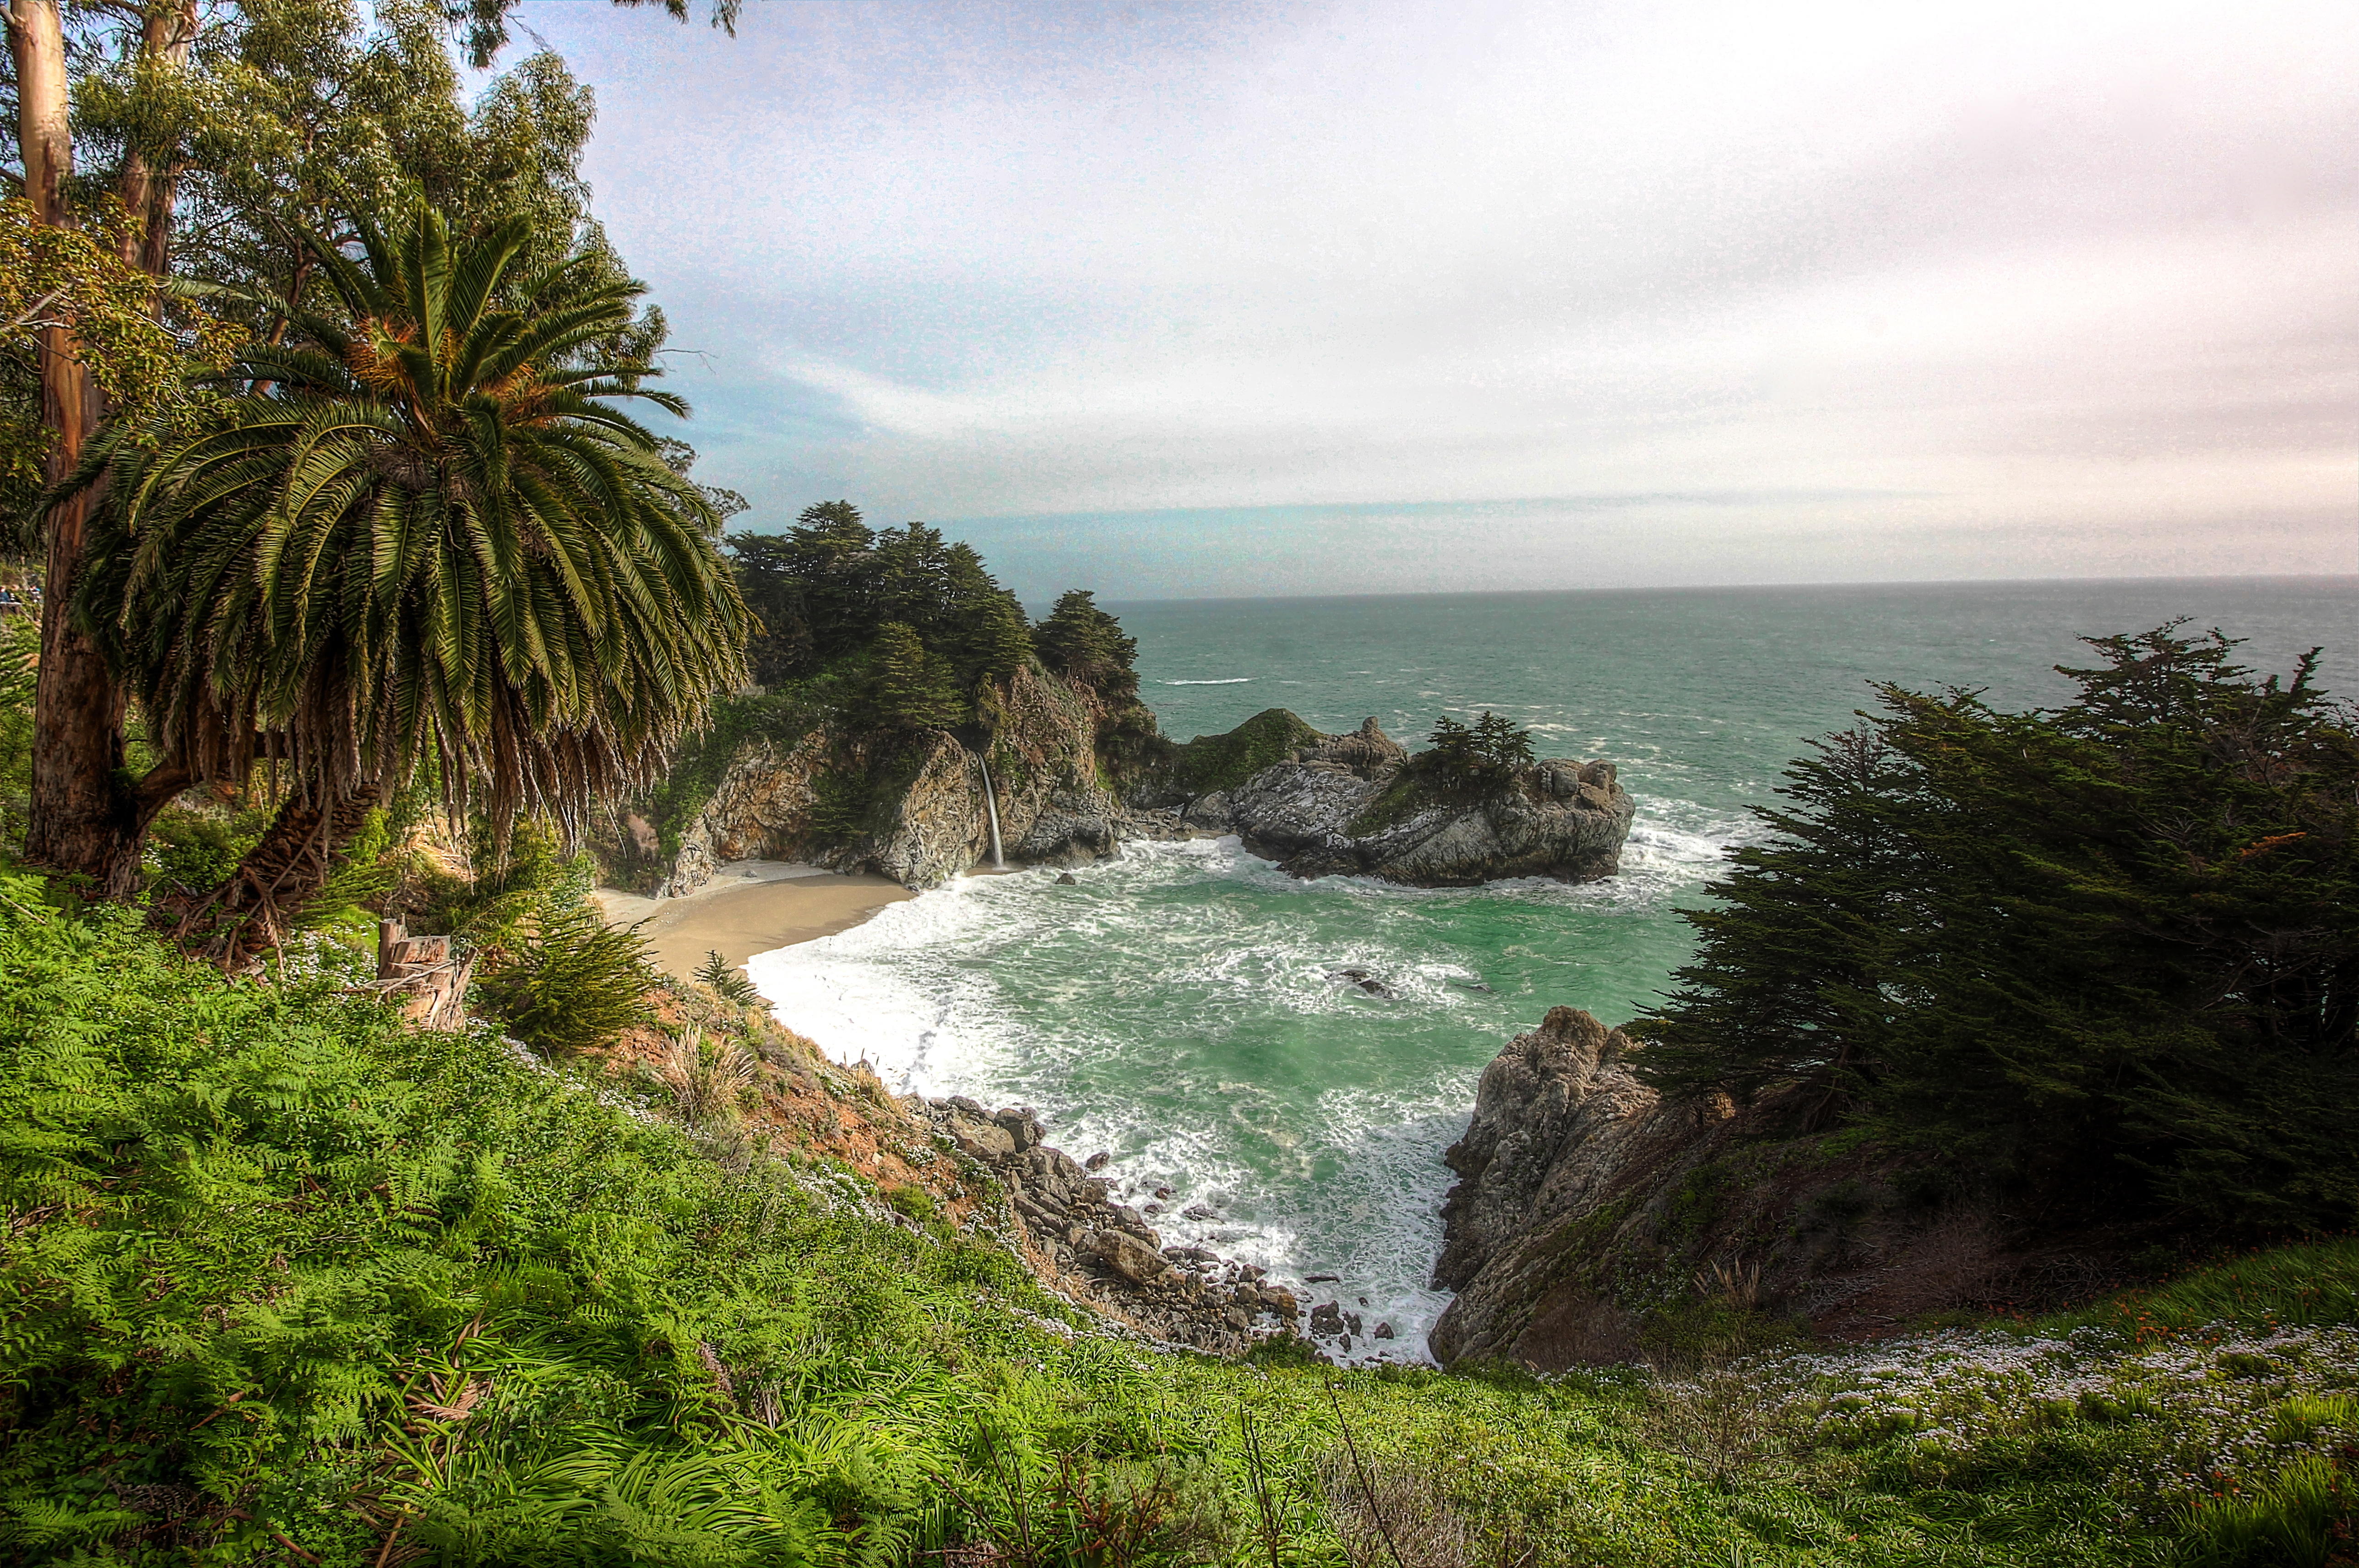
1356 805
911 808
1079 1240
1594 1221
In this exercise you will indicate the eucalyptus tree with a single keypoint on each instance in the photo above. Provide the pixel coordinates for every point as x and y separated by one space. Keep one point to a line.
428 542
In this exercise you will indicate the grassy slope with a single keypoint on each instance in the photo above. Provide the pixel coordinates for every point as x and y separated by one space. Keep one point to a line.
279 1277
1210 763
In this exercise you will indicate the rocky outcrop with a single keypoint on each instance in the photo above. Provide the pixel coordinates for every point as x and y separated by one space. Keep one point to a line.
1079 1240
912 807
1357 804
1594 1221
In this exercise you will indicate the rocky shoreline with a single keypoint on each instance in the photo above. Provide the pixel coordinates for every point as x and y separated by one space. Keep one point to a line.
1318 805
1594 1221
1080 1241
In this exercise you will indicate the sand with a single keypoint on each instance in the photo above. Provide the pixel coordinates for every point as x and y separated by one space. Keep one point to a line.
750 906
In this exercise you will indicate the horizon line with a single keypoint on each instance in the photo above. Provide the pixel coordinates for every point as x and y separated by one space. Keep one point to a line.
2350 579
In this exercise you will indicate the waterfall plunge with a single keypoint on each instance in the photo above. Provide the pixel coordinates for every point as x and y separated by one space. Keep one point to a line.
990 810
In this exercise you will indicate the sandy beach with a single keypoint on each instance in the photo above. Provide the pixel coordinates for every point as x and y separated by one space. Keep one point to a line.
750 906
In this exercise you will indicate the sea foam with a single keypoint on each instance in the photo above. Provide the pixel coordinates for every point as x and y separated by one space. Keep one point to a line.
1179 1009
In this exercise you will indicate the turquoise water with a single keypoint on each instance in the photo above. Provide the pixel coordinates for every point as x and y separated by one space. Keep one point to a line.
1174 1008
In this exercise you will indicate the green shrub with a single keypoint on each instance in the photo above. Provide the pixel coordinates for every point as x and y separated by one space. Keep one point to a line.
727 981
573 983
913 1201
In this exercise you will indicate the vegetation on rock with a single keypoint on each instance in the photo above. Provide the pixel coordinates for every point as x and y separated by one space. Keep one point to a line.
2101 956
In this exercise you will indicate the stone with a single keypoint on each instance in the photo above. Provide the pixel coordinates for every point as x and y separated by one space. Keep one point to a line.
1067 879
986 1141
1133 1259
1097 1162
1022 1125
1384 1331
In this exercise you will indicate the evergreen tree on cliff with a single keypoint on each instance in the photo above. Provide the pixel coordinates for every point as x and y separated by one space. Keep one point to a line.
427 539
1083 642
1002 642
2107 952
909 688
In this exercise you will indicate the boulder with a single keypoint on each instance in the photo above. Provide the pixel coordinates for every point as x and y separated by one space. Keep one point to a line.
1135 1260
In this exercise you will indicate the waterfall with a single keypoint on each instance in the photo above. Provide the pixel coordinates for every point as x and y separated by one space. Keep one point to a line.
991 808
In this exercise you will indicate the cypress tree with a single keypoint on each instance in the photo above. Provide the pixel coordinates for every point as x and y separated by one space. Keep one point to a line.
1083 642
2107 952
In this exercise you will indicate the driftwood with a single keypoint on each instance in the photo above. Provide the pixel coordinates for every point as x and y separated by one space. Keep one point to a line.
422 975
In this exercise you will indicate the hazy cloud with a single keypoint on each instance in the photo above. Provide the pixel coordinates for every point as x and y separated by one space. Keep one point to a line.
1202 299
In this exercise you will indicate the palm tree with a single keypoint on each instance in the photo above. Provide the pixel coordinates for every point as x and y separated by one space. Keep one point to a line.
422 537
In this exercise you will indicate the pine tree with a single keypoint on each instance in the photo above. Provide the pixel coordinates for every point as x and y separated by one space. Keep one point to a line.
1083 642
1502 745
1454 759
909 688
1001 643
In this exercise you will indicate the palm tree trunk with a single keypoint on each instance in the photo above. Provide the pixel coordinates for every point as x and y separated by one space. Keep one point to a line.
288 869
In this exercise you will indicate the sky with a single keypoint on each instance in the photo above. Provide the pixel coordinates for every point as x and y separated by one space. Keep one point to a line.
1205 300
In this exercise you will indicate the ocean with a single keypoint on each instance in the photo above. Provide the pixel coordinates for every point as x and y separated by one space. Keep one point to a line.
1174 1008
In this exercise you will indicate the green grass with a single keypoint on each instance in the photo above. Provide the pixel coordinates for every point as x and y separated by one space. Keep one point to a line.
1212 763
283 1282
2313 1283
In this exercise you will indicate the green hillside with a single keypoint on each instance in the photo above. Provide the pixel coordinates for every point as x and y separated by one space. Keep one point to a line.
284 1282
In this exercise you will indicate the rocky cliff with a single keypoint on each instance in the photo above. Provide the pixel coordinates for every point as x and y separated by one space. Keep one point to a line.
1594 1221
1358 804
912 806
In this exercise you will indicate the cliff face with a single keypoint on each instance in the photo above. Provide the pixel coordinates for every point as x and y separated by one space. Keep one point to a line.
912 807
1355 805
1594 1221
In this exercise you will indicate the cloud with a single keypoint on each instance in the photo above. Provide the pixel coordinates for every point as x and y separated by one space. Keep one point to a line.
2086 273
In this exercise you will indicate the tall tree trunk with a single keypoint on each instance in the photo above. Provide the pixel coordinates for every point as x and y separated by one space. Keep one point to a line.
86 817
149 190
79 821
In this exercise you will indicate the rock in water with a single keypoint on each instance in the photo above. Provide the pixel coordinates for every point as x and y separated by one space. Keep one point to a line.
1357 805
